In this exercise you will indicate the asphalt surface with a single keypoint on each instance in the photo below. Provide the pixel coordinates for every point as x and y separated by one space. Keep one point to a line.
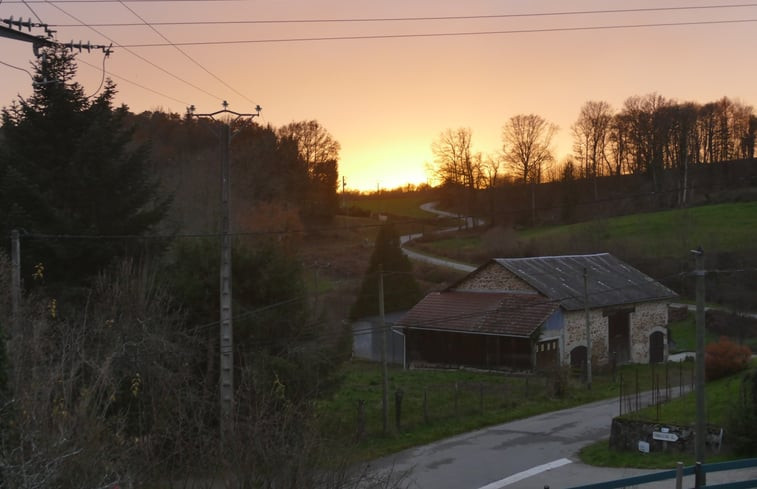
537 452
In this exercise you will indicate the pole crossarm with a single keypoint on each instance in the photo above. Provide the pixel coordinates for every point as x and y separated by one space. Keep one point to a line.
47 41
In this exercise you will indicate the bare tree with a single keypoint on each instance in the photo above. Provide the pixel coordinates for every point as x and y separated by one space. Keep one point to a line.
315 144
526 143
590 136
456 165
453 157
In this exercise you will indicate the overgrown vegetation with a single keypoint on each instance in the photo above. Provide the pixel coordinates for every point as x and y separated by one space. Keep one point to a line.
725 358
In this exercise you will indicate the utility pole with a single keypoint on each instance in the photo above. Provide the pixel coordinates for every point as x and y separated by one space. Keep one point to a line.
701 427
384 369
226 117
588 329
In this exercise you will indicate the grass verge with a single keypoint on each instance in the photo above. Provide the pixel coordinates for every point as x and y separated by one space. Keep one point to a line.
436 404
680 411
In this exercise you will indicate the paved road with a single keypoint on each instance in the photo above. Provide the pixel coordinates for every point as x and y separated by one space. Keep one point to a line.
442 262
530 453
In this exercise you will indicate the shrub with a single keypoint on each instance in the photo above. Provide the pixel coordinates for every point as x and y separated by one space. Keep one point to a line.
742 422
725 358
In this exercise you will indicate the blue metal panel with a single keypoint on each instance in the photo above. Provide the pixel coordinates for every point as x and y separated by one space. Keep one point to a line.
555 322
671 474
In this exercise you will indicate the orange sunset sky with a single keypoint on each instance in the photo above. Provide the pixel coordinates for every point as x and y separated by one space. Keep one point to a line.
386 77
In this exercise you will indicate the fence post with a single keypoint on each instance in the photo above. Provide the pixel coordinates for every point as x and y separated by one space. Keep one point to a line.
360 419
398 407
698 475
457 396
425 406
620 397
679 475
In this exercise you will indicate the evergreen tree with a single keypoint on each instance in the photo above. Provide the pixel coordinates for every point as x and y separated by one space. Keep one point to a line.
68 167
401 291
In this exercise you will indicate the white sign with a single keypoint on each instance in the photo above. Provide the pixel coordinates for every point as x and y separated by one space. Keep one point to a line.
659 435
643 447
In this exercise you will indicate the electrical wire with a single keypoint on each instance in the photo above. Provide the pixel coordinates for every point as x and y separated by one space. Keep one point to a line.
115 1
183 52
17 68
26 3
139 85
444 34
422 19
127 48
102 79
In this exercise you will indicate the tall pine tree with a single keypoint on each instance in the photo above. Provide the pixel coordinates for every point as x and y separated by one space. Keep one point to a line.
68 167
401 291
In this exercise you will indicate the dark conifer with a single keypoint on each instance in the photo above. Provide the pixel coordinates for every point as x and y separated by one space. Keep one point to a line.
401 291
68 167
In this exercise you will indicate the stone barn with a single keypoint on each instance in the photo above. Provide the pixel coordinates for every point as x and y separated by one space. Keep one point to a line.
531 313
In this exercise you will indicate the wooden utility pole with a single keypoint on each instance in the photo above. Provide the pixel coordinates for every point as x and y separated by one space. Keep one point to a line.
384 368
701 426
226 380
588 328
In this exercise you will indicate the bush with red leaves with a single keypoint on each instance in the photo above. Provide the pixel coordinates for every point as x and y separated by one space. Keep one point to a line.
725 358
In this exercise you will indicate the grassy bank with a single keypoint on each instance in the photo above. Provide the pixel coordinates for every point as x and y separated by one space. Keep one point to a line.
723 227
719 396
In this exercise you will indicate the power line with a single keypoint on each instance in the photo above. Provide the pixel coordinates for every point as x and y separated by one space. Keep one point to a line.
445 34
17 68
113 1
134 83
190 58
139 56
423 19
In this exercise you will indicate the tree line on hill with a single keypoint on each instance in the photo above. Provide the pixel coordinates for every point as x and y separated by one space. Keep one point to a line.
650 135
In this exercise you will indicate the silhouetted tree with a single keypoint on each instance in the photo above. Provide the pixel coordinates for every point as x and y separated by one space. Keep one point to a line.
590 135
526 141
68 168
320 152
456 166
401 291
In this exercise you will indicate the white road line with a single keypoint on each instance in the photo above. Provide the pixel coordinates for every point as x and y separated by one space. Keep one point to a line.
526 474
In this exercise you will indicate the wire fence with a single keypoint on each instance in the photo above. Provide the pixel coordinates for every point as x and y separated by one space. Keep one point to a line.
669 380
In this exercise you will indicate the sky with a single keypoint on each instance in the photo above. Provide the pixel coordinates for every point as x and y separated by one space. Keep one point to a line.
385 78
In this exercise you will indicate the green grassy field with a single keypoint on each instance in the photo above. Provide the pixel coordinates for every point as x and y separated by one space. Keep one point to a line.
405 205
723 227
730 227
683 333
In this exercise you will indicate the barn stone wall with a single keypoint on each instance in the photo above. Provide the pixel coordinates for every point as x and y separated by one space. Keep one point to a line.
494 277
646 319
575 334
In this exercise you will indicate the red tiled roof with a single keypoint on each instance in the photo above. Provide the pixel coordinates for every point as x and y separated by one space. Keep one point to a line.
497 313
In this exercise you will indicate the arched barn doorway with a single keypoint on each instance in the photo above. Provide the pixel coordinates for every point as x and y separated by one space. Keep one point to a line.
657 347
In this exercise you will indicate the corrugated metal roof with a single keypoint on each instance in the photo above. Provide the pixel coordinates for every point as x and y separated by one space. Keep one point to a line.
611 282
496 313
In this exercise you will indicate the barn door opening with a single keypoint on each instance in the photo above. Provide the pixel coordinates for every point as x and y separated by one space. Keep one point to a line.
657 347
619 336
